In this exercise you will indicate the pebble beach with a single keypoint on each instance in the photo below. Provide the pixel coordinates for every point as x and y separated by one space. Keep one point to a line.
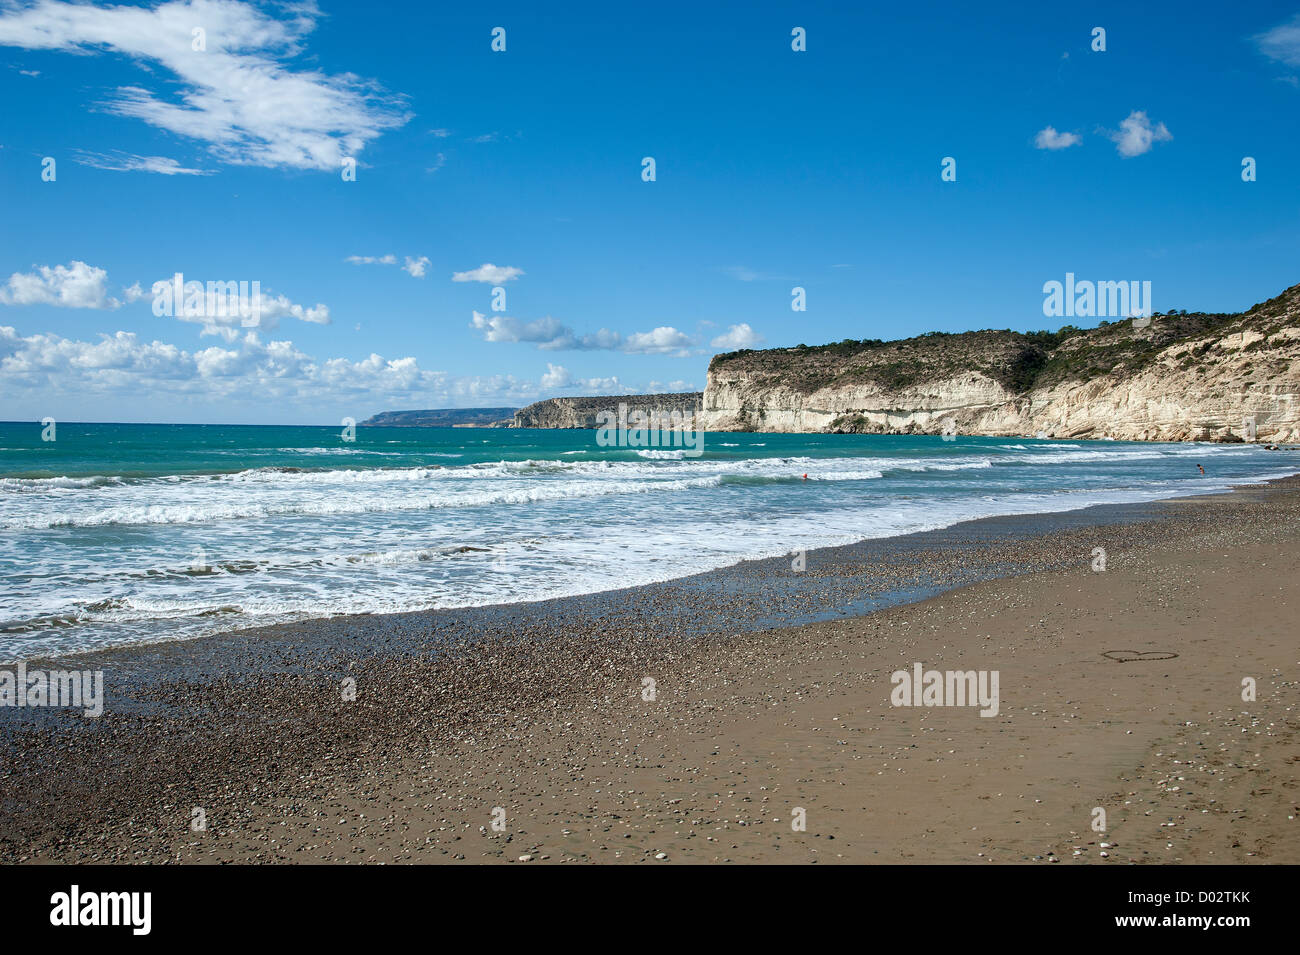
694 721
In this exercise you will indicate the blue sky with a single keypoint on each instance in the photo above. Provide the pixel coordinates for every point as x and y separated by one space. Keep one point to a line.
774 169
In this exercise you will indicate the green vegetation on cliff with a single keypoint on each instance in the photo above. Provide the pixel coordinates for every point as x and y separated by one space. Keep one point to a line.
1019 361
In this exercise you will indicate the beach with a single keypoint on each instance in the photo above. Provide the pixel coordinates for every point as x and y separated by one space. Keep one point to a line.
530 734
662 437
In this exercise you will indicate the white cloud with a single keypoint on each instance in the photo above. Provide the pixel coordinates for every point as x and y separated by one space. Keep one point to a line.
547 333
76 285
664 340
1049 138
1282 43
550 334
678 386
557 376
489 273
236 96
439 161
280 307
248 372
737 336
125 162
220 316
1137 135
603 386
124 363
416 266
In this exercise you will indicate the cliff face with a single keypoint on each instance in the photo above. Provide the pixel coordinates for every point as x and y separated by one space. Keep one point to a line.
582 412
1180 377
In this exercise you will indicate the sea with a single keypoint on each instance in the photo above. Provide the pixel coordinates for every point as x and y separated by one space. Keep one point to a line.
116 534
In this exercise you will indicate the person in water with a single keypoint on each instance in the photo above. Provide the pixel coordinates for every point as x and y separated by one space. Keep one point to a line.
1202 467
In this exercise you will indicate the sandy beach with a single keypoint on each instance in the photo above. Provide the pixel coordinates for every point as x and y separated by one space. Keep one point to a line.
1119 690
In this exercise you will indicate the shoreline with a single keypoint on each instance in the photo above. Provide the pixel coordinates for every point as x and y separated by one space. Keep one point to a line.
208 729
154 653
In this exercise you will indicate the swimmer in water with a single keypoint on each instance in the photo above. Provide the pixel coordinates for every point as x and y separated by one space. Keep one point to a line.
1202 468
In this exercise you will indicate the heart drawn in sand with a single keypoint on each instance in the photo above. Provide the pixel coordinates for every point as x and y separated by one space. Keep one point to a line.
1130 656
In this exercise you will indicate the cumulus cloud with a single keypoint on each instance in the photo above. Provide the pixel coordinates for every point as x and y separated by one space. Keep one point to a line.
229 309
76 285
604 386
221 308
248 371
737 336
279 306
546 333
416 267
1049 138
550 334
237 96
664 340
489 273
124 360
557 378
372 259
1137 135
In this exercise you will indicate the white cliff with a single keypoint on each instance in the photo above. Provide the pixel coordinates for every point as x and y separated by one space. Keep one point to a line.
1181 377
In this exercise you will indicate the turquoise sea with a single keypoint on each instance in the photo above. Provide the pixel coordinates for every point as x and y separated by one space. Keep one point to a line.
128 533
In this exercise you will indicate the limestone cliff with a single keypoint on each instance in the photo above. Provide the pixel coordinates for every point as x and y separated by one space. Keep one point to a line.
1171 377
582 412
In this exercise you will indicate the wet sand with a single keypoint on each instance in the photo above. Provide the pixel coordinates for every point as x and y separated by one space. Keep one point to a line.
539 711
